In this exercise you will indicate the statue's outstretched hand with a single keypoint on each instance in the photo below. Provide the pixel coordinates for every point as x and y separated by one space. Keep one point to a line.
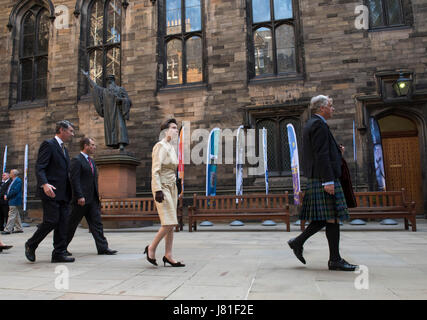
85 73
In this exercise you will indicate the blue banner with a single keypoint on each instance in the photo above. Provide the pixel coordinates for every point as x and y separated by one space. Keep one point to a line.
4 159
212 153
293 150
264 143
378 154
240 149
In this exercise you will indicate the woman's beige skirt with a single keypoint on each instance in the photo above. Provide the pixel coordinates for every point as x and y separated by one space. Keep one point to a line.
167 208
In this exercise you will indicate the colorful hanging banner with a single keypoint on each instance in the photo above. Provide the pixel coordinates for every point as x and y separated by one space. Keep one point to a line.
4 159
293 150
25 177
264 145
378 154
212 156
181 158
240 153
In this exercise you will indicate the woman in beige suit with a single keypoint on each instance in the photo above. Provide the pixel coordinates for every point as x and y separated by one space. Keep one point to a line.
165 192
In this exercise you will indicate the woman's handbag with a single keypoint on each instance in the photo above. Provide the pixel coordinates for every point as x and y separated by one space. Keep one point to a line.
179 185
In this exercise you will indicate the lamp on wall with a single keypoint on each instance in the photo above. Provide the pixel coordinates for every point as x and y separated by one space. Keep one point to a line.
403 86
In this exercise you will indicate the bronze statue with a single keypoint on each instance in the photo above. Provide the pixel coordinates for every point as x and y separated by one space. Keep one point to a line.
113 104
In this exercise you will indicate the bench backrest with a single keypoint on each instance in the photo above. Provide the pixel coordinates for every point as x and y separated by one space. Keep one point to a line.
241 203
373 199
380 199
134 205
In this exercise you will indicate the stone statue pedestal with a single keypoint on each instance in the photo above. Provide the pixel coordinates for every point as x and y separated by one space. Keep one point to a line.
117 175
117 179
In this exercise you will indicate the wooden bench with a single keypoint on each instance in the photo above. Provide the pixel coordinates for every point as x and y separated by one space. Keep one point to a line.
245 207
382 205
134 209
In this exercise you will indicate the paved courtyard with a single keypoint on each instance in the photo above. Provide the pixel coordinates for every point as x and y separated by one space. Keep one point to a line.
223 262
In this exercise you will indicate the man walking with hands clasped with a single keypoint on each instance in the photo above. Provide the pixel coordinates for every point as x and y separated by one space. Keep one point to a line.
324 202
85 203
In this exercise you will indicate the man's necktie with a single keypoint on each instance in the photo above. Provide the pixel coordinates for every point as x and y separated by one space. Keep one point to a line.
91 165
63 148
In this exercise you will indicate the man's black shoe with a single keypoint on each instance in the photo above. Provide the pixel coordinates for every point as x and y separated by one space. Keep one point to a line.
341 265
30 253
63 258
68 253
297 250
6 232
108 252
18 231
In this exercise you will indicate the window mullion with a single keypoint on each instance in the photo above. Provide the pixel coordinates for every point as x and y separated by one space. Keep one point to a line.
104 45
385 13
183 43
33 82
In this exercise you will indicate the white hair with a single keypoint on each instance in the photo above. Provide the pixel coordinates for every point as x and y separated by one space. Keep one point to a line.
15 172
319 101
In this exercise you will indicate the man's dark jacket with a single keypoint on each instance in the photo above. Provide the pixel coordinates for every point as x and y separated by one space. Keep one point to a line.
84 182
321 154
52 167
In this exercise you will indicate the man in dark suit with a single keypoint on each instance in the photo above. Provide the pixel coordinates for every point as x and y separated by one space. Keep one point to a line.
85 203
324 200
54 189
4 205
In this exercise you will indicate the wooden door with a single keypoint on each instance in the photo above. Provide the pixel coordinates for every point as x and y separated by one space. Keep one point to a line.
403 167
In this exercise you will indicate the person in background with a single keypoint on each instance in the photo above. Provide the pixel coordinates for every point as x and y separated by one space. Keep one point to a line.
14 196
4 204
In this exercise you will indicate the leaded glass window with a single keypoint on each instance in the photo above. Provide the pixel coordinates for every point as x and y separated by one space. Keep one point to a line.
385 13
104 40
182 45
278 154
33 54
273 38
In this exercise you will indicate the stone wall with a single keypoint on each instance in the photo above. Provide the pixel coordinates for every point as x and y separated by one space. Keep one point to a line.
337 60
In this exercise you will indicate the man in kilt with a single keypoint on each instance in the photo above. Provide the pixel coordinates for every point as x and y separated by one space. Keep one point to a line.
324 201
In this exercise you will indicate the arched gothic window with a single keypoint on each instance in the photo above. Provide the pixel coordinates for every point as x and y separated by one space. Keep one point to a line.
385 13
278 153
181 42
101 41
33 54
272 37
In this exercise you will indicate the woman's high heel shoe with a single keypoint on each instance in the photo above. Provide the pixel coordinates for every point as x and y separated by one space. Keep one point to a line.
152 261
176 264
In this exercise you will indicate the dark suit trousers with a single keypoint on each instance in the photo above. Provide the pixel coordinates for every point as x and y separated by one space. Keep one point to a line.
93 217
4 214
55 217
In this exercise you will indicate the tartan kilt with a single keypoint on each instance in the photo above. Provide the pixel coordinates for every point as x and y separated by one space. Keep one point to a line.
319 205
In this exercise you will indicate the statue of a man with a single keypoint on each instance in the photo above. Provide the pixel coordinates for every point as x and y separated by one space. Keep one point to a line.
113 104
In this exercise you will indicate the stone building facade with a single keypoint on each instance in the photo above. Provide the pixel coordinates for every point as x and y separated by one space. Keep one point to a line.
325 52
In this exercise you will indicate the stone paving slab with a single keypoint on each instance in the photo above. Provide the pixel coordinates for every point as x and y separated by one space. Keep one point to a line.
223 262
